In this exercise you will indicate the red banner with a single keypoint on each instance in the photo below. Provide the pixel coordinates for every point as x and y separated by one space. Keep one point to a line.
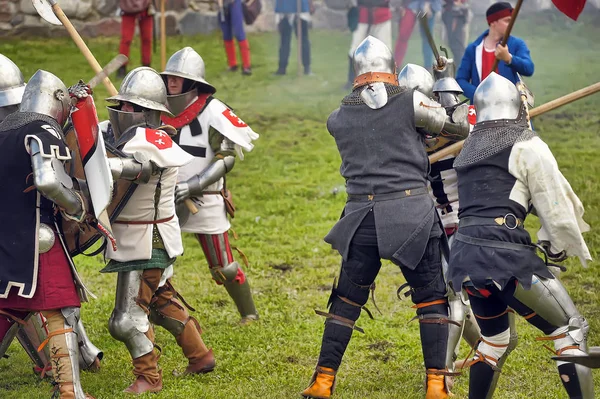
571 8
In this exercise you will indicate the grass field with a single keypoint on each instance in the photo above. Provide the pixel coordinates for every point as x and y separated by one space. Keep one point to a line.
285 195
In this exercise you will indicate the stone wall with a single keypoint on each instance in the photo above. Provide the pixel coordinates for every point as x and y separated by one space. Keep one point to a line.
99 17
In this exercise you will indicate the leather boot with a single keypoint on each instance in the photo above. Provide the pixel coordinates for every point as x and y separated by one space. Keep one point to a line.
201 359
322 384
148 377
436 385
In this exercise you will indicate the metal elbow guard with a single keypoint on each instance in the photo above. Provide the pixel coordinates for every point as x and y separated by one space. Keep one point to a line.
210 175
52 181
429 115
137 169
457 126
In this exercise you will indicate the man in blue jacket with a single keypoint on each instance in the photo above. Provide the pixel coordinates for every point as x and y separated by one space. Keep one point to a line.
479 56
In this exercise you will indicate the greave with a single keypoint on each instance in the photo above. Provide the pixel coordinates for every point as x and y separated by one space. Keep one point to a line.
512 344
88 352
30 336
64 353
457 313
242 297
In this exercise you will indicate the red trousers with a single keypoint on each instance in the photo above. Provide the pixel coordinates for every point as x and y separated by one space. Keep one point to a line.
146 23
405 29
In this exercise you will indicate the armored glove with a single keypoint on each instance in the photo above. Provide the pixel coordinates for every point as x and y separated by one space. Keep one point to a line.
80 90
182 192
555 257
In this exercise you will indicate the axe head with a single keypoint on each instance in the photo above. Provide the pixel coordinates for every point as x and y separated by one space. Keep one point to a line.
44 9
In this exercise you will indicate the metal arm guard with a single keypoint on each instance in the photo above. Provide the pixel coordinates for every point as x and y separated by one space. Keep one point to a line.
53 182
432 117
210 175
137 169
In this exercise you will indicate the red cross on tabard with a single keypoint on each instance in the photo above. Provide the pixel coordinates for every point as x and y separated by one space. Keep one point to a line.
234 119
160 139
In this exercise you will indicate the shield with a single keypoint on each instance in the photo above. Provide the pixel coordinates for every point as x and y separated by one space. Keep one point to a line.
93 155
80 237
591 360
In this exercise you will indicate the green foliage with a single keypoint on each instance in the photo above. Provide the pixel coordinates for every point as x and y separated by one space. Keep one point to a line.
285 194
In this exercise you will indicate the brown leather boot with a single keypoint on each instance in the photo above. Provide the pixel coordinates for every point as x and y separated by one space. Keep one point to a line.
148 377
322 384
436 385
201 359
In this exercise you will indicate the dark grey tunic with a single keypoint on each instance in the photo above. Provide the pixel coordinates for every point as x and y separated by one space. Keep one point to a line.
484 188
382 153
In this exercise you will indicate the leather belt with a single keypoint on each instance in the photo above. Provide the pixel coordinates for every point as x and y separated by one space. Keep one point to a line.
510 221
157 221
386 196
493 243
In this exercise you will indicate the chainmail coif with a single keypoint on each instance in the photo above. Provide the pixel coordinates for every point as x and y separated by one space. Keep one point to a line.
487 140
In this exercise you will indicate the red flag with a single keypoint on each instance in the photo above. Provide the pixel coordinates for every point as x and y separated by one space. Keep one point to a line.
571 8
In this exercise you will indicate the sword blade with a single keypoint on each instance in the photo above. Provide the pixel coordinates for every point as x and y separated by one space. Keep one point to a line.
111 67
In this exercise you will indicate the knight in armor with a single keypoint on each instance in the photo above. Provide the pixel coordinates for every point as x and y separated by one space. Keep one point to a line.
212 134
32 334
147 234
374 19
388 214
444 192
493 256
37 274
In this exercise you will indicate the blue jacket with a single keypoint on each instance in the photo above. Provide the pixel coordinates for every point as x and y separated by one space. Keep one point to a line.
467 75
290 6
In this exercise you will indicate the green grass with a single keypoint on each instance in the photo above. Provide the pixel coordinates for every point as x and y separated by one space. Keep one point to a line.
285 201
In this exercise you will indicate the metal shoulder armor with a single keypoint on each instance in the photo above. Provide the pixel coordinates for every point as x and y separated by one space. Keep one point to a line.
53 182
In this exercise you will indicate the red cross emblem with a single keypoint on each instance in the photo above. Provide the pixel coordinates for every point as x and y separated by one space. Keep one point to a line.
234 119
472 116
160 139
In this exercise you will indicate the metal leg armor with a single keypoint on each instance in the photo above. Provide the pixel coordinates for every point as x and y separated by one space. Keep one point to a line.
64 348
30 335
553 307
89 354
129 322
226 271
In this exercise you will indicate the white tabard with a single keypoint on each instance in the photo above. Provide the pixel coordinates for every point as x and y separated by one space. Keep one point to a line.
134 241
212 217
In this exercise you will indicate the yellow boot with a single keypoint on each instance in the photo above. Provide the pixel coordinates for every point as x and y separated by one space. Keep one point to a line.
322 384
436 385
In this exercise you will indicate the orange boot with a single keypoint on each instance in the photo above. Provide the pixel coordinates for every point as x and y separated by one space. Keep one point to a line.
436 385
322 384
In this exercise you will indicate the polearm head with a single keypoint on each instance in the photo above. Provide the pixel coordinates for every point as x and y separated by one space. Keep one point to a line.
425 26
44 9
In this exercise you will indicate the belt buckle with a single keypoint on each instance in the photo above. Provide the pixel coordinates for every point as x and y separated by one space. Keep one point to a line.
503 221
370 197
